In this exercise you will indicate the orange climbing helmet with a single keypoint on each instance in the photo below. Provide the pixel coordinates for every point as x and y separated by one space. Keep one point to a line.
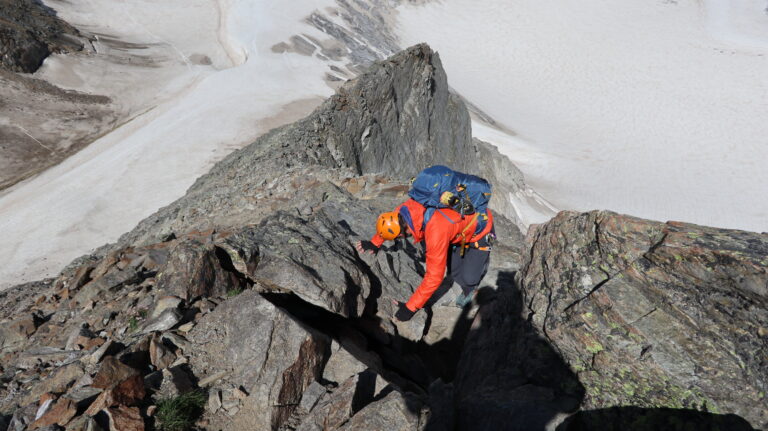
388 225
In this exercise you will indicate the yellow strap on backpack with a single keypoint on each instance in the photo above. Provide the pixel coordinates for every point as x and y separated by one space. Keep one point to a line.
463 237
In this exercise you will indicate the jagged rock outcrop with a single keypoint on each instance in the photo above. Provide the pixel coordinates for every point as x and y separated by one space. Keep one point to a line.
395 119
653 314
29 32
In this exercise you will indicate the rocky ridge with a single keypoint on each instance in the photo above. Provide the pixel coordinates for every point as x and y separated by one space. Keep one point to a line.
395 119
248 295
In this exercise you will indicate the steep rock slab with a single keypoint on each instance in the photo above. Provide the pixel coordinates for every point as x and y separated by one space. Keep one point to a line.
255 346
397 118
654 314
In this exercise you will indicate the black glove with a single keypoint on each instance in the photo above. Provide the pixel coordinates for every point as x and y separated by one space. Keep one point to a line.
403 314
366 247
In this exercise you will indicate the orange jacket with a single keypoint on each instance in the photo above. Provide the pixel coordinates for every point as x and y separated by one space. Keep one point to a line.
445 227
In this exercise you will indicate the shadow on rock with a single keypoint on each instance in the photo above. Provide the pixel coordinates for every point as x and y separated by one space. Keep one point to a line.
510 378
651 419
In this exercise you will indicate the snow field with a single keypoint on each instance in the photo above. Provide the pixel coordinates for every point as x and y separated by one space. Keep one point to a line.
652 109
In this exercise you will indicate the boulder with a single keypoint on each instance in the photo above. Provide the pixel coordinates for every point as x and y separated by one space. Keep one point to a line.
264 352
113 280
654 314
164 303
83 396
22 417
330 410
124 418
324 409
193 270
61 413
15 333
341 365
111 373
47 357
160 355
293 250
394 412
166 320
127 393
57 382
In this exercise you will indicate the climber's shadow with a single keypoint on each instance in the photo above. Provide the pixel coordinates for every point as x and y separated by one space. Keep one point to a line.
507 377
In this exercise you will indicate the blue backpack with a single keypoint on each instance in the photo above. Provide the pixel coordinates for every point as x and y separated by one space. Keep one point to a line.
441 187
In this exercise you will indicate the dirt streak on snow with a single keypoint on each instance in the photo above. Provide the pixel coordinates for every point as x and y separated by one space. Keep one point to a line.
186 117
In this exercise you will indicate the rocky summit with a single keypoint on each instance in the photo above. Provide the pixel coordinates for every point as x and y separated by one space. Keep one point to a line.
244 305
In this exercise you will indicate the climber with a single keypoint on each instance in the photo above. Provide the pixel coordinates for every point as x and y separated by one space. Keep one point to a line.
450 241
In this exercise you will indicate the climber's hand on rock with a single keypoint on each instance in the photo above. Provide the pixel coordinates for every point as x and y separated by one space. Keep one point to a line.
366 247
403 314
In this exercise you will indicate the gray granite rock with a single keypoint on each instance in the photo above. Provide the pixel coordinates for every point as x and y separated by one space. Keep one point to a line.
264 352
654 314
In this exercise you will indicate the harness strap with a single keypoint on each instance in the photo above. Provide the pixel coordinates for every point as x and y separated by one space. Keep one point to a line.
479 248
464 231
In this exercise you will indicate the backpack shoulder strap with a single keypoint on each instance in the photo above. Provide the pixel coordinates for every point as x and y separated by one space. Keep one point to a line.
427 216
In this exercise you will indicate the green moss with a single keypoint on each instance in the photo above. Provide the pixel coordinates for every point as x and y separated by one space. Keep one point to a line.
636 338
711 407
629 389
594 347
655 391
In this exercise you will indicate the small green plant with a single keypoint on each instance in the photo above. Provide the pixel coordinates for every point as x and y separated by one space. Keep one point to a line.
234 291
133 324
143 314
179 413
